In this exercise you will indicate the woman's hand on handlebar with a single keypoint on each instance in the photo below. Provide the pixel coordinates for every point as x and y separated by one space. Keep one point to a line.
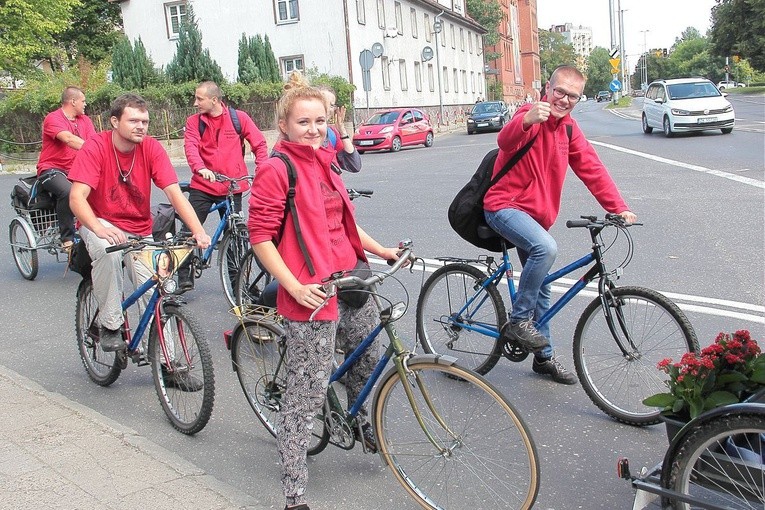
311 296
629 216
206 174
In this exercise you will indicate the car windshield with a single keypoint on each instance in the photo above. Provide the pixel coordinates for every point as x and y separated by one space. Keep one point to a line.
487 108
382 118
693 90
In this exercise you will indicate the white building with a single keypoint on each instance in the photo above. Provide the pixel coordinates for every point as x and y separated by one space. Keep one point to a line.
579 37
330 36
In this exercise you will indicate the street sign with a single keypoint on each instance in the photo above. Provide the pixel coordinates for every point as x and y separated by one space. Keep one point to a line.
614 70
615 63
367 60
377 49
615 86
614 53
366 80
427 53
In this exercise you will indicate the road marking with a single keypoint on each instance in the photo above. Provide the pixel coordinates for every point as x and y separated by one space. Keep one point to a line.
695 168
687 302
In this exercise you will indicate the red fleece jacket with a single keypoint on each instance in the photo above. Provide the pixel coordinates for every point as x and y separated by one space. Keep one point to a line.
535 184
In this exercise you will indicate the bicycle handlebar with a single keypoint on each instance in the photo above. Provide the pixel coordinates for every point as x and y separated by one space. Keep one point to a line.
356 193
224 178
138 243
593 222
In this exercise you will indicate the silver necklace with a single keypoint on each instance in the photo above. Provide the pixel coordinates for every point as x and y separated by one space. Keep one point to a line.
119 168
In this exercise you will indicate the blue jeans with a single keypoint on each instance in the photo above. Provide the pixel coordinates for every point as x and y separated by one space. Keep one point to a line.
537 251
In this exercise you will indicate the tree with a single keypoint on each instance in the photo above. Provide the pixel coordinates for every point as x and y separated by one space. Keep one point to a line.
273 67
554 51
738 28
132 68
28 29
256 60
488 14
191 62
96 26
598 71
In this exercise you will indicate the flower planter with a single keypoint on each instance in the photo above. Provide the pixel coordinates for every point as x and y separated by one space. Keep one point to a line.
673 425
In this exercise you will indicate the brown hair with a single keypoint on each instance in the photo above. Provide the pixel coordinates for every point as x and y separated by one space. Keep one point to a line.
127 100
297 88
211 89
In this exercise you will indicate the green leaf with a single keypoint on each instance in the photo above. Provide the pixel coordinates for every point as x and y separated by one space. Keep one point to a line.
729 377
719 398
660 400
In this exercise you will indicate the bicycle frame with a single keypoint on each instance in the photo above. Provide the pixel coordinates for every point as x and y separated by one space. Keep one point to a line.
226 206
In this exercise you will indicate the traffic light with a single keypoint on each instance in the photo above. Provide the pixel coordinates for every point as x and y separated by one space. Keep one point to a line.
658 53
727 68
664 52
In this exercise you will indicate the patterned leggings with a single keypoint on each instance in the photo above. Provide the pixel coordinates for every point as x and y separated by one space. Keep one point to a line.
310 350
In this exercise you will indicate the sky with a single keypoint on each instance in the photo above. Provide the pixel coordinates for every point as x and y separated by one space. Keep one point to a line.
665 20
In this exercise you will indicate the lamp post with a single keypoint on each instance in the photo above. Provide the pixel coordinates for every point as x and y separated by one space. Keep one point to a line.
437 27
645 60
623 52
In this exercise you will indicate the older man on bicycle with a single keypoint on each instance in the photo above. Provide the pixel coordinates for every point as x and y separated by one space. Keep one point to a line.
524 204
111 197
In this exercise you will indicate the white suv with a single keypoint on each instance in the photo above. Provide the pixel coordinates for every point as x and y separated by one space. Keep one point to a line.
722 85
686 104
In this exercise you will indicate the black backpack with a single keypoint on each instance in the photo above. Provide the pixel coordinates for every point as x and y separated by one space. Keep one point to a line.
466 210
234 120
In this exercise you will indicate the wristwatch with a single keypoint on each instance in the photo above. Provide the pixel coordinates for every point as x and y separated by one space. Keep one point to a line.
345 137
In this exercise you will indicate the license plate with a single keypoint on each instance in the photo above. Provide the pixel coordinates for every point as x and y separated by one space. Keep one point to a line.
482 124
706 120
366 142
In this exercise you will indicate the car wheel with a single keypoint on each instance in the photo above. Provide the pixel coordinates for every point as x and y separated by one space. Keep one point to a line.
668 128
470 132
360 152
395 146
646 128
726 131
429 140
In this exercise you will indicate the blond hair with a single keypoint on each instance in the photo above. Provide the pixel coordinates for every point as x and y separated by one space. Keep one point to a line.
297 88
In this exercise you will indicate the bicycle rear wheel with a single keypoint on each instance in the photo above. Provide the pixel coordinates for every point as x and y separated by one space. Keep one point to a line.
721 462
101 366
259 354
233 248
440 325
182 369
23 254
251 279
616 382
487 457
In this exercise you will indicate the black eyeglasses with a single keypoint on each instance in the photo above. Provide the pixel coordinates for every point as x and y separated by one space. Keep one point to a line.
560 94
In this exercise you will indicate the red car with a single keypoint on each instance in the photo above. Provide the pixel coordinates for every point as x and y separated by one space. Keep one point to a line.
392 129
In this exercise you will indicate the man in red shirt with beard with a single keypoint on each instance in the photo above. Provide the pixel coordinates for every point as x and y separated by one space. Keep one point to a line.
111 197
217 149
524 204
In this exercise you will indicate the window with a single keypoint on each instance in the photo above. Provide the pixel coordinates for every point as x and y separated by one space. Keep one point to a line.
442 36
407 118
418 76
413 16
445 73
361 12
402 74
431 85
470 42
286 11
385 72
418 116
381 14
399 18
293 63
456 81
175 14
464 81
472 81
454 41
428 28
462 39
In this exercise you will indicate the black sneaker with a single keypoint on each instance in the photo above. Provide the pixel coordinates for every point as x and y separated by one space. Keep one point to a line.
297 507
525 334
181 378
185 280
367 437
554 368
111 339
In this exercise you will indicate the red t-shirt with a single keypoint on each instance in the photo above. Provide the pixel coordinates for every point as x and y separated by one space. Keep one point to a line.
55 153
124 203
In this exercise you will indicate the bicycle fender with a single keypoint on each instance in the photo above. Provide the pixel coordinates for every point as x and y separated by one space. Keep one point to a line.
742 408
239 327
29 231
439 359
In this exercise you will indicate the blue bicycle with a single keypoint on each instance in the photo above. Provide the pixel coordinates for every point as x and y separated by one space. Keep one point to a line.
177 350
620 337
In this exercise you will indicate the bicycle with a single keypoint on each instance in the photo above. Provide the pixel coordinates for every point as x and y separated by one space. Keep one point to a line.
185 384
619 338
715 461
34 228
230 239
447 434
252 278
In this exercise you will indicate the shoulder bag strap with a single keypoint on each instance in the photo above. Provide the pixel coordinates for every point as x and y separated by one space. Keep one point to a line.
292 176
515 159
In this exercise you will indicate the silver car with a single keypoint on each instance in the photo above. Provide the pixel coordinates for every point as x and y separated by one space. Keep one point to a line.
686 104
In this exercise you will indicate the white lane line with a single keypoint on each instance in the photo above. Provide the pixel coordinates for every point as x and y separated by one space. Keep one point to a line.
686 302
696 168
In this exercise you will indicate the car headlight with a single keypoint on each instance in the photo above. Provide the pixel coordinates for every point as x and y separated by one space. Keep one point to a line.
470 121
495 119
386 129
727 109
678 111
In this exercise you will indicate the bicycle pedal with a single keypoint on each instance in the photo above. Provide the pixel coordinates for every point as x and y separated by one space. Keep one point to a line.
121 358
514 351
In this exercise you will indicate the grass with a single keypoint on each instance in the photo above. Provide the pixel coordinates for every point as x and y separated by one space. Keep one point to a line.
745 90
623 102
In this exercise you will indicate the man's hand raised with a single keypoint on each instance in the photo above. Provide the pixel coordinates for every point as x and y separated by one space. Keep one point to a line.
537 114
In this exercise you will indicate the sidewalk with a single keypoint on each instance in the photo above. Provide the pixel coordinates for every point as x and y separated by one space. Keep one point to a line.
58 454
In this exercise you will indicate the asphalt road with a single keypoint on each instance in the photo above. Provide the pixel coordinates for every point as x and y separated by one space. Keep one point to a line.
700 198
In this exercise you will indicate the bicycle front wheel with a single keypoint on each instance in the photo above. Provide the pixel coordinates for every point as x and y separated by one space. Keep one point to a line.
23 253
101 366
651 328
721 462
444 319
233 248
182 369
251 279
485 456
